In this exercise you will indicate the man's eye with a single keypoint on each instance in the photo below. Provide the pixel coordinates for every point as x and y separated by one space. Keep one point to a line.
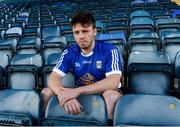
76 33
84 31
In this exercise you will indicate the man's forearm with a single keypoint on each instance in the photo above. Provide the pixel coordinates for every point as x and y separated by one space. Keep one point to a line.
108 83
54 83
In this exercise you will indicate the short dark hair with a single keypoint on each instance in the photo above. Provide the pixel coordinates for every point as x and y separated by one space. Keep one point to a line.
83 17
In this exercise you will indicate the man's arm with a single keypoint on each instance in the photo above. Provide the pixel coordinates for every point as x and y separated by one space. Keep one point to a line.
54 83
71 106
109 83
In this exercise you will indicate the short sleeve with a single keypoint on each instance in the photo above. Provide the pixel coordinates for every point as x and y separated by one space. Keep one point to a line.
63 65
113 62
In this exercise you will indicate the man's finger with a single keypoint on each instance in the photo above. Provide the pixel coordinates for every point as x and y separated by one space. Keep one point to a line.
66 108
77 107
70 109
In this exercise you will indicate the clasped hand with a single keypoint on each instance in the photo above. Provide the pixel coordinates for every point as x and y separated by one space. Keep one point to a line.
67 99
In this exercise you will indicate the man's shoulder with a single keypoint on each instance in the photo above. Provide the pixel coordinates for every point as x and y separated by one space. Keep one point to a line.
106 46
73 48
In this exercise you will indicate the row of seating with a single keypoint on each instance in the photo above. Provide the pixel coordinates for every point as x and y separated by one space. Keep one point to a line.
151 67
150 78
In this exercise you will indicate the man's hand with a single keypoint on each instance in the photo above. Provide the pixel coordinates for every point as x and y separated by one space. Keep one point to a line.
67 94
73 107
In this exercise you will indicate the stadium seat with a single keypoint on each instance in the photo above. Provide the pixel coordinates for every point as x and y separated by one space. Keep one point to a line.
19 108
171 24
117 39
50 31
22 73
32 31
28 45
93 113
137 4
147 110
14 33
116 27
150 73
143 41
143 24
139 13
119 17
66 29
171 43
99 27
161 14
8 47
3 64
177 71
53 44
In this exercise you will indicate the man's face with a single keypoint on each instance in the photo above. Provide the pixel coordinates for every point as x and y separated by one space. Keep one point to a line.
84 35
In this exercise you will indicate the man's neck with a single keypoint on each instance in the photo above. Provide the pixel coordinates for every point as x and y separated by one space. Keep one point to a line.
88 50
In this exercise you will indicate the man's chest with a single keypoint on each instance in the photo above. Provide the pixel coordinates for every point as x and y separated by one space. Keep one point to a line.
95 65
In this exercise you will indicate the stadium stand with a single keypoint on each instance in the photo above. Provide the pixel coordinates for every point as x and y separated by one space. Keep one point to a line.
34 33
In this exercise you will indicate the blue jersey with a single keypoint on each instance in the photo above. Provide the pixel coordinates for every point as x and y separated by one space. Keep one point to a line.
103 61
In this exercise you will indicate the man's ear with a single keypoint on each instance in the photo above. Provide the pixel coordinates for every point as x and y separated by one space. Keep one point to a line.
95 31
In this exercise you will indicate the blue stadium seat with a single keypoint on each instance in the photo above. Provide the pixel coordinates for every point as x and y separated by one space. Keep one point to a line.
176 14
143 41
70 39
177 71
144 24
14 33
160 14
93 113
19 108
147 110
53 44
117 39
28 45
119 17
116 27
4 62
171 43
139 13
23 71
150 73
171 24
99 27
137 4
32 31
8 47
50 31
66 29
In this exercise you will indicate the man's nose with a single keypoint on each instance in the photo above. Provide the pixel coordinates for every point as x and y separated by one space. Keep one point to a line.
81 35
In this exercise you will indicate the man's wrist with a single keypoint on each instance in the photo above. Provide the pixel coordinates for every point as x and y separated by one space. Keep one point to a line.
78 90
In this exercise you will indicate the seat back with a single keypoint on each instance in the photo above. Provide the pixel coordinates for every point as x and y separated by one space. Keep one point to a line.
29 45
177 70
92 105
53 44
147 110
171 43
8 47
144 24
19 107
149 73
50 31
117 39
23 71
143 41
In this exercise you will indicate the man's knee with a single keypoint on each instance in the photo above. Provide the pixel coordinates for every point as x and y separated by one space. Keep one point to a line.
111 96
47 93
